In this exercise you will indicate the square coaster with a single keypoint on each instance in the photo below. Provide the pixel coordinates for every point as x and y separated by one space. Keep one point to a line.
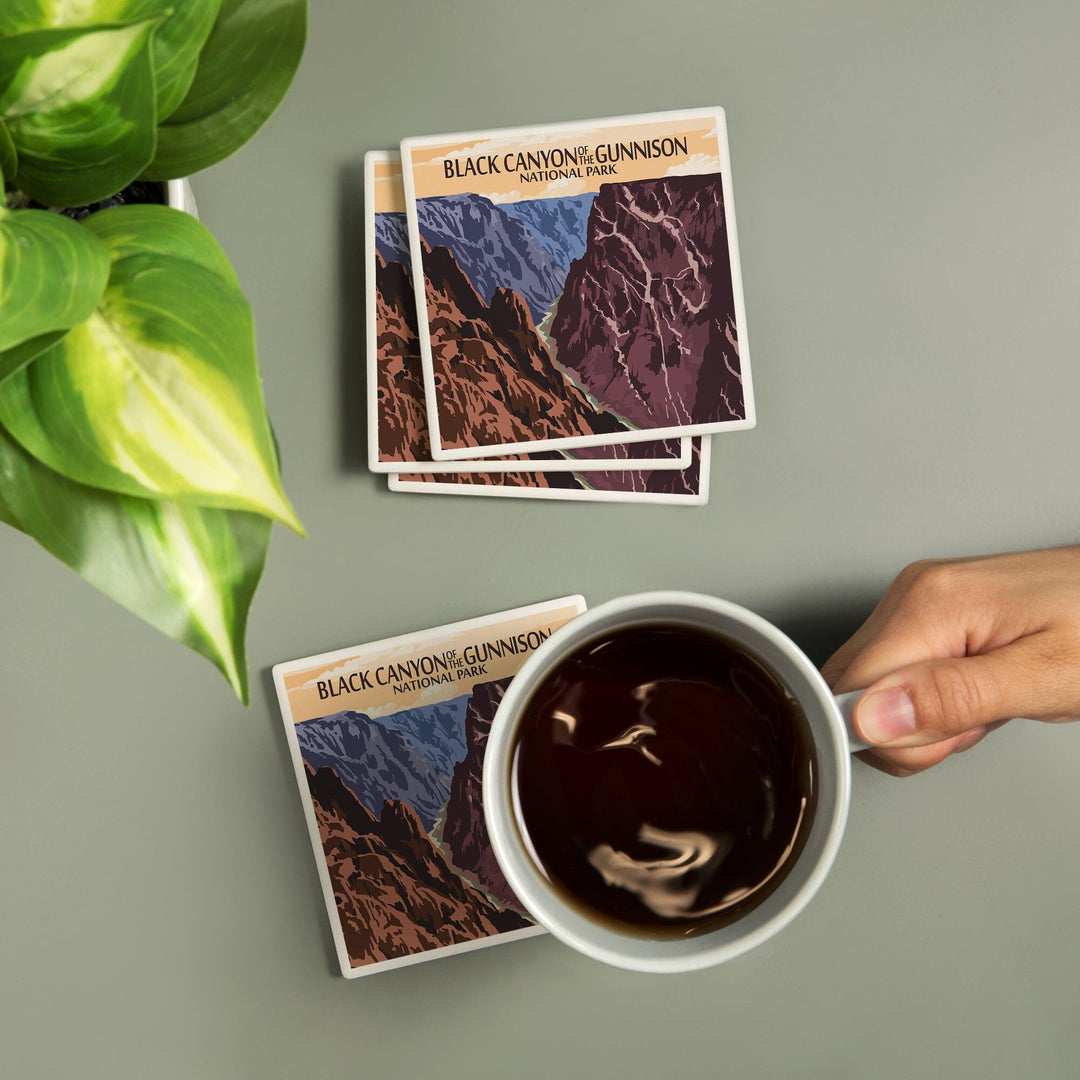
397 417
387 740
586 274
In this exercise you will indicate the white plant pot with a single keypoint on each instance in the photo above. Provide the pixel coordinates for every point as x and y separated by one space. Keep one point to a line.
178 195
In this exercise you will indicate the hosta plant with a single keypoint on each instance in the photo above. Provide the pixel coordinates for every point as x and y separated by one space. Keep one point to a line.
134 441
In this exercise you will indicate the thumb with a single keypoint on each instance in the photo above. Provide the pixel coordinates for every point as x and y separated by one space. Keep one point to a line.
938 699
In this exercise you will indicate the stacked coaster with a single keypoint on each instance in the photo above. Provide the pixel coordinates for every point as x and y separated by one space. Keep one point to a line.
577 327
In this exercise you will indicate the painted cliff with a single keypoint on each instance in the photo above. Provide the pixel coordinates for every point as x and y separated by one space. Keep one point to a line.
396 894
496 380
377 762
494 249
464 832
402 419
646 320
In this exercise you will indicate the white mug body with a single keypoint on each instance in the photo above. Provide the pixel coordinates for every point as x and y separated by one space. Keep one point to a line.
572 923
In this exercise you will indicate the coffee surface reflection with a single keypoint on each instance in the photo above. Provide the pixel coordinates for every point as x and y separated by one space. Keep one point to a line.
663 779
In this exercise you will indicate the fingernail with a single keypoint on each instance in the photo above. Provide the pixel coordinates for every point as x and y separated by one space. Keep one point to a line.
885 715
972 737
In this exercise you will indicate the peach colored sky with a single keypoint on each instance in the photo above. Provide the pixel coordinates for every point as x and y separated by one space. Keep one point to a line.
302 688
429 178
389 188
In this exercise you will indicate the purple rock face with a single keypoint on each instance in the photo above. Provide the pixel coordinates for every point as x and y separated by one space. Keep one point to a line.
465 832
656 482
646 322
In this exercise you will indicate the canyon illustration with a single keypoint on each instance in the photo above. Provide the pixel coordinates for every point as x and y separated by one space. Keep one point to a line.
583 315
397 800
493 390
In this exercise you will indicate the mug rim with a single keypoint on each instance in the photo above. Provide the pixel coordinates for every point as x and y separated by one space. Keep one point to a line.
543 903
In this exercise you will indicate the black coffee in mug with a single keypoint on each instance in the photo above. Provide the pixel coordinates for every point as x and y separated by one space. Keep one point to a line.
663 779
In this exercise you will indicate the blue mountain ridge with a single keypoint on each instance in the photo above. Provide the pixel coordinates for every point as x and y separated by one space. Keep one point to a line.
392 238
408 756
438 730
526 246
493 247
561 225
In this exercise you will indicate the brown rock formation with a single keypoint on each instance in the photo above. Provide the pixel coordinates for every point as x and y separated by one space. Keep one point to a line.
396 894
403 432
496 378
402 416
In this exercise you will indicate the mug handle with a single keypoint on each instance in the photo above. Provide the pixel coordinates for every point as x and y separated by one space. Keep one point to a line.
846 704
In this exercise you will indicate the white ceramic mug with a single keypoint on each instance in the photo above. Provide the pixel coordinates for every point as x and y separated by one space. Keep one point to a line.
834 740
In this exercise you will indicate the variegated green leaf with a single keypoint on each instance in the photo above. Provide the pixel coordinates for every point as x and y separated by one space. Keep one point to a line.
157 394
79 106
15 359
244 70
9 157
7 515
147 229
176 44
53 272
188 570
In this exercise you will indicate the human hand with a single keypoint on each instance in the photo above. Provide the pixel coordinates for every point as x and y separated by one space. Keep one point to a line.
957 647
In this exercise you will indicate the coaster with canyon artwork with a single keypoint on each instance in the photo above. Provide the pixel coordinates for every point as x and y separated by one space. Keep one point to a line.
688 487
603 257
397 418
387 741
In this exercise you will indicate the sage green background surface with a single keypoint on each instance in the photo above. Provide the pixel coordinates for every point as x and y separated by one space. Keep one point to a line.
907 179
